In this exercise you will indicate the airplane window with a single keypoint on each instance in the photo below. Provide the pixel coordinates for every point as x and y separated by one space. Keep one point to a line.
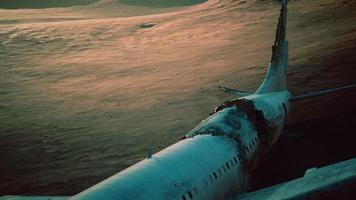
183 197
190 195
224 168
211 179
239 157
232 163
195 190
216 177
235 159
227 165
220 172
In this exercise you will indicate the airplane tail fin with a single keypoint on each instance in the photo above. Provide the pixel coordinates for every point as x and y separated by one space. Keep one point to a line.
275 79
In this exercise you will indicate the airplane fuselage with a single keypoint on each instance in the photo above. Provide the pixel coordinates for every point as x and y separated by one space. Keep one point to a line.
213 161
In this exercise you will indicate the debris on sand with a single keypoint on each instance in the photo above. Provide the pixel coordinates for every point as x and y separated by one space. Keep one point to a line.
147 25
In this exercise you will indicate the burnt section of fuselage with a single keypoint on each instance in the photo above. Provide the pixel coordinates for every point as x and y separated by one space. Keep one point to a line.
228 122
239 120
233 119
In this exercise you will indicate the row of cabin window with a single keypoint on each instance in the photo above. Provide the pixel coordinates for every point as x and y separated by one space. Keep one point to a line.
232 162
224 168
274 120
249 147
219 171
190 194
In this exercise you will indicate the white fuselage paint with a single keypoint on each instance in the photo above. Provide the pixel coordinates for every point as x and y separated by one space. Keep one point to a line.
186 166
206 166
275 107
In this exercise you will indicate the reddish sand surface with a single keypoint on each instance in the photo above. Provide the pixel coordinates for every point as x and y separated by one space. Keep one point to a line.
86 90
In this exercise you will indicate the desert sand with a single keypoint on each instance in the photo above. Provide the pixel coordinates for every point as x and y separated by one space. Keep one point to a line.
87 88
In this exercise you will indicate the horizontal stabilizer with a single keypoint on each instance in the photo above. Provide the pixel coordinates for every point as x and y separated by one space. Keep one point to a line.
232 91
32 198
323 92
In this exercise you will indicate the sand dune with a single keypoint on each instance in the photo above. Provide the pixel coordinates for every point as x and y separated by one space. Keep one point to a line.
31 11
161 3
38 4
83 87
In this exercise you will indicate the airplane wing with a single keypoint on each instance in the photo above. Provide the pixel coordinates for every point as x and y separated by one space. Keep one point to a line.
314 94
32 198
317 183
232 91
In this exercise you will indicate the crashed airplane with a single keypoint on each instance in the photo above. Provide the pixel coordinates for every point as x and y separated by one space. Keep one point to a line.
215 159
